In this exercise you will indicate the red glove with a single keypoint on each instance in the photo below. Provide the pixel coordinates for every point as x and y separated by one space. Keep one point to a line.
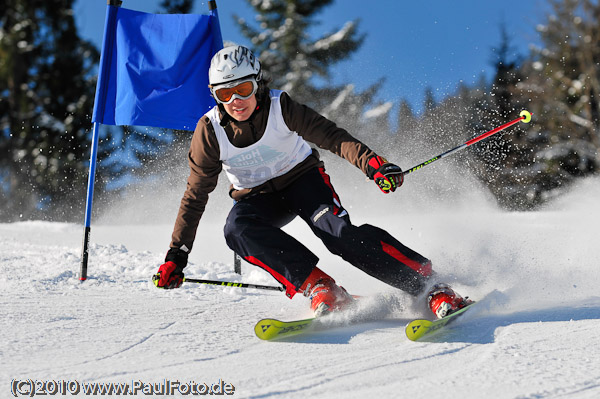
388 176
168 276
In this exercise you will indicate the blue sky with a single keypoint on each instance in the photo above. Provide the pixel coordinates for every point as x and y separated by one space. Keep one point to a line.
413 44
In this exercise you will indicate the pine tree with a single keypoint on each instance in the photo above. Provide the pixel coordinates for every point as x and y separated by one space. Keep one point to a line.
565 87
406 118
302 65
47 86
568 62
286 51
429 102
504 161
406 137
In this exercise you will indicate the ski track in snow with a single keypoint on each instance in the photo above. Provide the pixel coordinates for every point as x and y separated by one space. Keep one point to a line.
534 334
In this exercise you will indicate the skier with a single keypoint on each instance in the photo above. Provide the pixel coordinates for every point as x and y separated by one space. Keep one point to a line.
259 137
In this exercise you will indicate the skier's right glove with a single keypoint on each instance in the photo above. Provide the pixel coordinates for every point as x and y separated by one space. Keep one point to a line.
388 176
170 274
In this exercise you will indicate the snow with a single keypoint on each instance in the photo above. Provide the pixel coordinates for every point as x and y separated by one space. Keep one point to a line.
330 40
534 335
380 110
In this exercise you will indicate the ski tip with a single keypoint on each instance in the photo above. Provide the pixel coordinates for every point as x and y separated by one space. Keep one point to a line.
417 328
270 329
261 329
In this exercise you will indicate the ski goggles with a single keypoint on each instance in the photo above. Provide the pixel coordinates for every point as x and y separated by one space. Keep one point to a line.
228 92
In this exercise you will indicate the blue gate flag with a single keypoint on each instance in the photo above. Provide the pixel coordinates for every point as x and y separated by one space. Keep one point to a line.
154 68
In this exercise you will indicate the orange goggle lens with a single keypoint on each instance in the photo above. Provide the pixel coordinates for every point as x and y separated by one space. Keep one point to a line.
243 90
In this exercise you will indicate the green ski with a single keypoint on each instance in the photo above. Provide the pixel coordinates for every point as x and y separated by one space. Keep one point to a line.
269 329
419 328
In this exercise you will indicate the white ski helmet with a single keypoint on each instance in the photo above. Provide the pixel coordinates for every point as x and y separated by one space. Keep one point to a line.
233 63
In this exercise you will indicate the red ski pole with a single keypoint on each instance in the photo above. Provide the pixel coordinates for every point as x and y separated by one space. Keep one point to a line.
525 117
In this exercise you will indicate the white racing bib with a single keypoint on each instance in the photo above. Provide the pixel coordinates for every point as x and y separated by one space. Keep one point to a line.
275 154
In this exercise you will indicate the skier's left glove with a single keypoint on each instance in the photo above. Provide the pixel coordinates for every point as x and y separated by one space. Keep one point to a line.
170 274
388 176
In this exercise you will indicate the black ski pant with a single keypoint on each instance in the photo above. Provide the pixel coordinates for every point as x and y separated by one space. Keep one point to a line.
253 231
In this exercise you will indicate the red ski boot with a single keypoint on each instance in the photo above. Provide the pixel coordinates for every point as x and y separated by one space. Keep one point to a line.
442 300
324 294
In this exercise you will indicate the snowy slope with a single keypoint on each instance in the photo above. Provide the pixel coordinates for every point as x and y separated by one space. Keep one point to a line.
535 337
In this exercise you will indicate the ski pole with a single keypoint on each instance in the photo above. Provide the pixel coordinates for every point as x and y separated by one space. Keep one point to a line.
156 277
234 284
525 117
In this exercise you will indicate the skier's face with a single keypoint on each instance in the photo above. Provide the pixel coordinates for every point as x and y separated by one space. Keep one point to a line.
240 110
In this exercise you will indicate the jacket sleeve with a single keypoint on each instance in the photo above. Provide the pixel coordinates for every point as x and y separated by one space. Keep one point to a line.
205 167
317 129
